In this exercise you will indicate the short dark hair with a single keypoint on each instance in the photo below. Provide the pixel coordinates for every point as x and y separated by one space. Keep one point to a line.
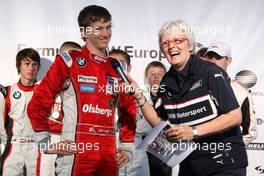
123 53
154 64
27 53
212 54
69 44
91 14
201 52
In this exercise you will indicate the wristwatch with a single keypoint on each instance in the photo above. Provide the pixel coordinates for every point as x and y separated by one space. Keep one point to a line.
141 101
195 132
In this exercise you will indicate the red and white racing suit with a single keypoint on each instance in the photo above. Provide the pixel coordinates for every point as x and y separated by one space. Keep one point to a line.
88 106
17 133
21 152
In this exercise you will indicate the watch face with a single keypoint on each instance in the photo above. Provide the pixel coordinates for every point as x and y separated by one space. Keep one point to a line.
195 132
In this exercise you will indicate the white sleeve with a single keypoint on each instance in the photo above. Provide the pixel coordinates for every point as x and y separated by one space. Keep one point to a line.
143 127
2 118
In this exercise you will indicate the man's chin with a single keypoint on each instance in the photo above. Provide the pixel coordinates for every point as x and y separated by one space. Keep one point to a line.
103 47
30 78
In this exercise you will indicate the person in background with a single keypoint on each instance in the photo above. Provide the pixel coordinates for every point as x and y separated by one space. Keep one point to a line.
199 102
55 121
88 103
2 126
21 155
154 73
138 164
201 53
220 54
70 45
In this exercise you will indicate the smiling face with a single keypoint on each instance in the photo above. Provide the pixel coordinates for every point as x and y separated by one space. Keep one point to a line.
176 49
176 41
97 40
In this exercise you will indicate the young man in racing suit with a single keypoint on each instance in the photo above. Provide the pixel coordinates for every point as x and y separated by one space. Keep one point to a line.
21 154
88 103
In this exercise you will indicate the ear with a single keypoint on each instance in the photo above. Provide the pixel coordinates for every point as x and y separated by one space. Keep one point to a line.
191 47
82 30
83 33
229 60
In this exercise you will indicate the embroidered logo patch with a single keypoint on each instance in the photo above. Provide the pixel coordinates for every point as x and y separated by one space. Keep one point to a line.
87 79
87 88
81 61
196 85
67 59
17 95
219 75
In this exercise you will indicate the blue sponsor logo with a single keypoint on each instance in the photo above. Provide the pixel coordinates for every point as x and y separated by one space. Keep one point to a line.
87 88
66 57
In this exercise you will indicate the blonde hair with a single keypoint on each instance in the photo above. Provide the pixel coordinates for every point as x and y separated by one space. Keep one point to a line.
177 27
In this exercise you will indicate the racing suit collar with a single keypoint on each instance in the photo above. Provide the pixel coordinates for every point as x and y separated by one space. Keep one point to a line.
94 57
25 88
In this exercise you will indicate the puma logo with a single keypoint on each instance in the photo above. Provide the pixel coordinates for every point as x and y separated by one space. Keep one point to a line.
219 75
220 162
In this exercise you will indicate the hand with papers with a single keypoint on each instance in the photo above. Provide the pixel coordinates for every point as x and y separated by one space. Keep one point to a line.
180 133
170 151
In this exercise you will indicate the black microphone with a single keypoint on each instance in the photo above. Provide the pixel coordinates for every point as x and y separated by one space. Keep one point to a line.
117 67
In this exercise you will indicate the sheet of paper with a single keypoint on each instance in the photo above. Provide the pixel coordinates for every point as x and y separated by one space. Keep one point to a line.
169 151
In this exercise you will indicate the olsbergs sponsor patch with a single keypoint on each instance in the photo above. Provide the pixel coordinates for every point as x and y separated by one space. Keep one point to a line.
90 108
